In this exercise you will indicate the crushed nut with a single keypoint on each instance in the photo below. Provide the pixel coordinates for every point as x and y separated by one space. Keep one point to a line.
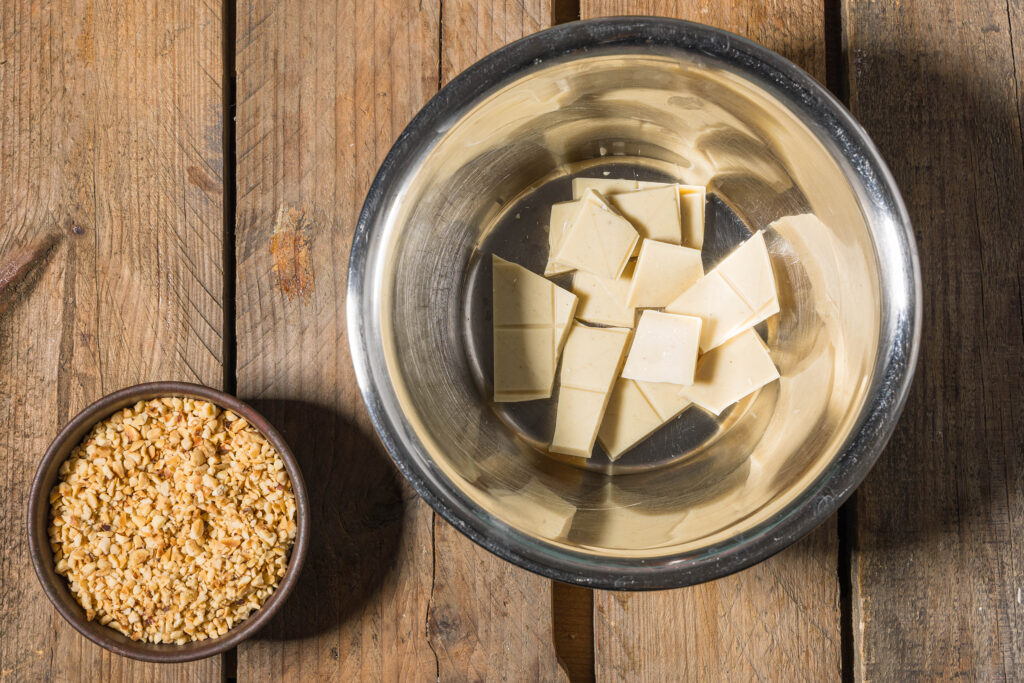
173 520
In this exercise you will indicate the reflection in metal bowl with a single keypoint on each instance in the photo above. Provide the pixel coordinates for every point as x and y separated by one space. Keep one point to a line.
655 99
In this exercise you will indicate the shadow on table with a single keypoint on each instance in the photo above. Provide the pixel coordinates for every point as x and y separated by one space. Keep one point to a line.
356 512
949 478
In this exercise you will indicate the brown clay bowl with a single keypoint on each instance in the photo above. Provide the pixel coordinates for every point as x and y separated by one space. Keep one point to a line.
55 586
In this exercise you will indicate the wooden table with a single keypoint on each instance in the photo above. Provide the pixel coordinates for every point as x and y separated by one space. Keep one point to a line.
181 181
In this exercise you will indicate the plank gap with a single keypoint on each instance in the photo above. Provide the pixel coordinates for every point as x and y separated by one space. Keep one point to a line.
229 94
229 666
440 61
572 617
847 525
564 11
229 659
838 82
836 73
433 585
572 607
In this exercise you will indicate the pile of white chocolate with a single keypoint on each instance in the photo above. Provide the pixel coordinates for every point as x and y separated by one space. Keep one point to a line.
635 247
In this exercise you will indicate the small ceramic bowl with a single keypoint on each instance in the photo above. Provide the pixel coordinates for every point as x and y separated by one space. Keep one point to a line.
56 587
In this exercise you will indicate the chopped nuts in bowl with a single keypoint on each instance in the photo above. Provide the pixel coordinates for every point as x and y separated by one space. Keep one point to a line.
168 521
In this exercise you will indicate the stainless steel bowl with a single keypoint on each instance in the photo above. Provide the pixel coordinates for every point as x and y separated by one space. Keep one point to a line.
652 98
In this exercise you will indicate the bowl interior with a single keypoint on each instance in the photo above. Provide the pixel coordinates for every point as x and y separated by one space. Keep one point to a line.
55 585
481 184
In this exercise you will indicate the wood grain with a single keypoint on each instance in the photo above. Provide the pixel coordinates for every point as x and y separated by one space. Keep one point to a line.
793 28
488 619
309 144
779 620
938 568
472 30
315 119
110 146
323 91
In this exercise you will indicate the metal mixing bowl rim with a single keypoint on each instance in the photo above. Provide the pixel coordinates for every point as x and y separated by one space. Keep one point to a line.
899 334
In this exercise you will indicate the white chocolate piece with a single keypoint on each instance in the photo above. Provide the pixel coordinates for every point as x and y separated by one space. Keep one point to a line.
598 240
664 349
731 371
654 213
635 411
691 212
608 186
737 294
716 303
561 214
523 364
664 398
531 321
525 299
663 272
593 357
602 300
748 269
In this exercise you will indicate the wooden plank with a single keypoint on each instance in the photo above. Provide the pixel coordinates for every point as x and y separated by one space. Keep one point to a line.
472 30
488 619
778 620
323 91
938 569
111 146
793 28
315 118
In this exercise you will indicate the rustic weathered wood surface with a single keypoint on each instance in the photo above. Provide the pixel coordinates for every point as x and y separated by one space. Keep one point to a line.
939 567
315 118
112 205
779 620
323 90
488 620
111 153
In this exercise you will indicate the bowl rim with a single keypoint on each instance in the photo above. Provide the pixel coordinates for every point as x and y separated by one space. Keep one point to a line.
899 330
55 586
